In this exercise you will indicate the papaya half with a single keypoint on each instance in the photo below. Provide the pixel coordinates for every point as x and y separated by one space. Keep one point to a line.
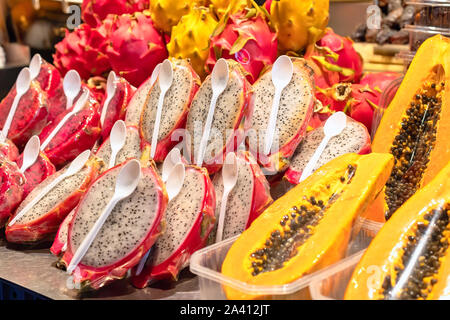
410 256
415 127
309 227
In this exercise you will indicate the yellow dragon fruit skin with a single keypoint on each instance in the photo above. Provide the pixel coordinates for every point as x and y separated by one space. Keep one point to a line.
221 6
190 38
299 23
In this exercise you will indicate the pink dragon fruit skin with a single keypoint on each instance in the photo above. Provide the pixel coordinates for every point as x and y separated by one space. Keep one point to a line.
117 106
135 46
9 150
178 100
11 189
94 11
48 77
38 172
79 133
61 235
378 81
354 138
91 277
30 117
194 239
248 41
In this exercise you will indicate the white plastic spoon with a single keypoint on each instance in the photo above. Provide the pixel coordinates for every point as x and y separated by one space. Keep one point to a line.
333 126
30 153
229 177
219 81
282 72
22 85
155 74
126 182
78 106
169 163
173 187
111 87
117 140
76 165
165 80
35 66
71 86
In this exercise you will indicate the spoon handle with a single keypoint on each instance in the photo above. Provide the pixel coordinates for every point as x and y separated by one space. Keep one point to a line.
56 130
33 202
141 264
69 102
222 213
112 160
104 109
272 121
316 156
10 117
87 241
157 123
207 130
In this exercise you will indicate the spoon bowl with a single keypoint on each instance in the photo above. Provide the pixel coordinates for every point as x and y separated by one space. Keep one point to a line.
170 161
117 140
175 181
128 179
30 153
335 124
71 86
35 65
155 74
111 87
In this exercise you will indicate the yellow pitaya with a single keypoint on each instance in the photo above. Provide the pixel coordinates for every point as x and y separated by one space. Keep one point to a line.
299 23
221 6
190 38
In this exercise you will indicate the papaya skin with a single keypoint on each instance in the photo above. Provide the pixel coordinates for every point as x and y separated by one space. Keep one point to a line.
375 264
329 240
433 53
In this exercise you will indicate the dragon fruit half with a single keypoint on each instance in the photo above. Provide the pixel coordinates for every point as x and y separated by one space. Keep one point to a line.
137 102
61 236
189 220
296 108
11 189
94 12
135 46
246 39
36 173
46 74
30 116
84 51
42 221
248 199
227 128
127 234
177 102
9 150
79 133
353 139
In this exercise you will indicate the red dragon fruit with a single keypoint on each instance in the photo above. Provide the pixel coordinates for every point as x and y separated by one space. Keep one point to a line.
296 108
84 51
61 236
189 220
135 46
117 104
246 39
97 85
41 222
228 126
38 172
127 234
79 133
9 150
378 81
30 116
46 74
354 138
175 110
248 199
95 11
11 189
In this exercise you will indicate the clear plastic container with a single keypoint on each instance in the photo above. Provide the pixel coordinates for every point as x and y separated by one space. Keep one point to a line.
418 34
207 263
407 57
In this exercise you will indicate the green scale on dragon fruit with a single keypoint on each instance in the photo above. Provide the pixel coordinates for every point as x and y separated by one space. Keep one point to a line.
228 126
177 102
295 111
189 220
30 116
127 234
42 221
248 199
11 189
79 133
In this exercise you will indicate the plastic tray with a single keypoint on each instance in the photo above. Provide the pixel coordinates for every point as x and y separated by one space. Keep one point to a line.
207 263
432 13
418 34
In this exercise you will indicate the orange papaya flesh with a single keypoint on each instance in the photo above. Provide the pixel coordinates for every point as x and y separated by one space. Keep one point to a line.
410 256
415 127
309 227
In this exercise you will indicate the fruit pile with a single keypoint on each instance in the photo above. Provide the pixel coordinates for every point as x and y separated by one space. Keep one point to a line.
124 113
